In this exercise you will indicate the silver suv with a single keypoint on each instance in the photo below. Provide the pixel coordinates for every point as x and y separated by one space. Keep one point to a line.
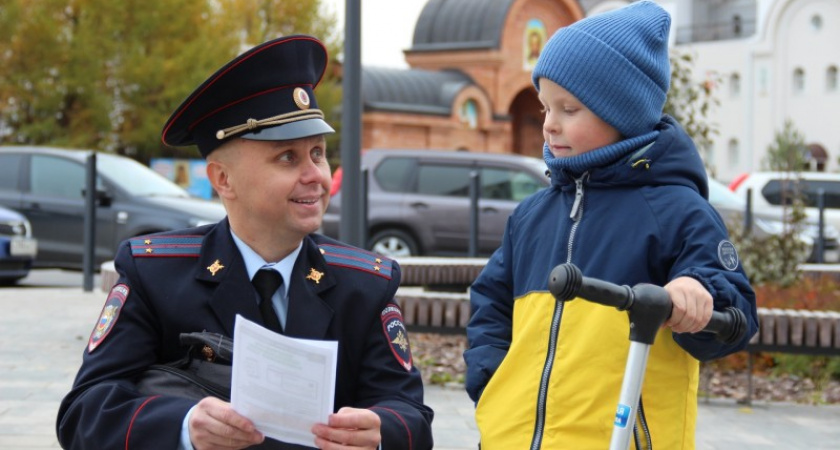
419 205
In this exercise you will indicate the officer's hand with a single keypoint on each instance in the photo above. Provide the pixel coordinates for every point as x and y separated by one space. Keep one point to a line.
215 425
692 305
349 428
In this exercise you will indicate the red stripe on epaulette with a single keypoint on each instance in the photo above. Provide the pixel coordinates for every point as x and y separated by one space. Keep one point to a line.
166 246
358 259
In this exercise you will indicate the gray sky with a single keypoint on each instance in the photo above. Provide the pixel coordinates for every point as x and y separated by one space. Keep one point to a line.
387 28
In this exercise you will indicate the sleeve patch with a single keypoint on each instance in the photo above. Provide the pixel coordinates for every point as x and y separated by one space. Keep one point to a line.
166 246
395 332
727 255
357 259
109 315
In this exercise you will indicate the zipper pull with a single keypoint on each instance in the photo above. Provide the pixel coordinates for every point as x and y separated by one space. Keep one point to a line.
578 197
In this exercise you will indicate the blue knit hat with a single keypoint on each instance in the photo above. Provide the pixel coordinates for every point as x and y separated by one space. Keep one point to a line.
615 63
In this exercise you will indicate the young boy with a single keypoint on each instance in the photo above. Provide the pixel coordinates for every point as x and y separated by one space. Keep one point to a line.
627 204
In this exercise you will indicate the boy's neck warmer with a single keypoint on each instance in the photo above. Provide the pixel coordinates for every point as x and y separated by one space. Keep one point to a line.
601 157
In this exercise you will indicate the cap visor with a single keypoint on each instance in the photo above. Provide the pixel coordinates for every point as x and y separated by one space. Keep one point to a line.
292 130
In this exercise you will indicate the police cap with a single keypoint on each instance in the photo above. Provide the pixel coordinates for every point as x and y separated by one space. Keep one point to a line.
266 94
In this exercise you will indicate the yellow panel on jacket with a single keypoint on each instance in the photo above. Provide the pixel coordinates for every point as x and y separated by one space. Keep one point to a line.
584 381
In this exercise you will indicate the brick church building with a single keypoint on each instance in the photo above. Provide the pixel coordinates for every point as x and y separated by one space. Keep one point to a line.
468 86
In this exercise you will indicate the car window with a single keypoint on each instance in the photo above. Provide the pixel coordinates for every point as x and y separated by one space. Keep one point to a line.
524 184
9 169
832 192
777 190
392 174
137 179
56 177
452 181
507 184
496 184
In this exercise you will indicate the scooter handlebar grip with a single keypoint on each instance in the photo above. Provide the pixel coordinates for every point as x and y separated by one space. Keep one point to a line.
729 325
567 282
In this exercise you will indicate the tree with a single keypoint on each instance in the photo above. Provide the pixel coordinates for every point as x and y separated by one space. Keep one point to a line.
776 258
689 101
106 75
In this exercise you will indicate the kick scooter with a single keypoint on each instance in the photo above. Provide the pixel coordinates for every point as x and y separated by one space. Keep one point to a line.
649 307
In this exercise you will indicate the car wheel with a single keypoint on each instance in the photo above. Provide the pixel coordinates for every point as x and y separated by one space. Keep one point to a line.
393 244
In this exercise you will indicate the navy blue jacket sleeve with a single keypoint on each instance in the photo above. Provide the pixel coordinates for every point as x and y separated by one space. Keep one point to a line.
705 253
489 331
104 409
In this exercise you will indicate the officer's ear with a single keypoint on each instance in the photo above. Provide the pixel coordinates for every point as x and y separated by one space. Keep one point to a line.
218 173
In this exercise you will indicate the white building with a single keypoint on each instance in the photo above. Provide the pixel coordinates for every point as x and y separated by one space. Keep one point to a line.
776 60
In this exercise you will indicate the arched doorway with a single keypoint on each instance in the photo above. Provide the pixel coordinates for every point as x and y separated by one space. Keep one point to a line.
527 123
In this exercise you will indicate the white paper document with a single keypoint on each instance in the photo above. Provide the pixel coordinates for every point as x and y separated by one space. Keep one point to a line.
284 385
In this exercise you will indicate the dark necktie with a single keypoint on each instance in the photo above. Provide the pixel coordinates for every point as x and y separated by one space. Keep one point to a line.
267 282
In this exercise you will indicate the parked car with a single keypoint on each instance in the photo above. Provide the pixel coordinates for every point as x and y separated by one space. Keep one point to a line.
769 189
418 200
769 221
17 246
47 185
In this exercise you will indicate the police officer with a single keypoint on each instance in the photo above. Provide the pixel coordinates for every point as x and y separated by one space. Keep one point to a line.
257 124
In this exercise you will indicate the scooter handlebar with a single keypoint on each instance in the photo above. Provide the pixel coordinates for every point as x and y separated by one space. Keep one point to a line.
566 282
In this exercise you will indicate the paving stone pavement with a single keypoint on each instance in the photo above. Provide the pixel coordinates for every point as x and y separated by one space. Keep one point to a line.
43 332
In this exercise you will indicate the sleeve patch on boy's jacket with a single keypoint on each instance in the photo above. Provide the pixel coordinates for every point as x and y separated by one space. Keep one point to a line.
727 255
395 332
166 246
110 313
357 259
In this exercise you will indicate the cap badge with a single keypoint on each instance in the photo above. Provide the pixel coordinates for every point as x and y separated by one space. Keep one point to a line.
215 267
301 98
315 276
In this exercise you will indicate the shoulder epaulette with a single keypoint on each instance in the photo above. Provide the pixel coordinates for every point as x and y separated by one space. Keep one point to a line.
355 258
166 246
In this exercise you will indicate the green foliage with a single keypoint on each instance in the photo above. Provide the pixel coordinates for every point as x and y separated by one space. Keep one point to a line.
788 151
772 259
689 101
776 259
106 74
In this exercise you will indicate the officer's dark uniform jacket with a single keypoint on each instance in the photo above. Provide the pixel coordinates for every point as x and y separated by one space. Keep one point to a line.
184 289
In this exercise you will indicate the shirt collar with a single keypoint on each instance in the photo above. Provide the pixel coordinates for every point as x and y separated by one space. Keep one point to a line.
255 262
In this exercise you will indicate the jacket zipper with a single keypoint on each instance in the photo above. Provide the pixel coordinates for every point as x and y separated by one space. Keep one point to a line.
641 422
539 426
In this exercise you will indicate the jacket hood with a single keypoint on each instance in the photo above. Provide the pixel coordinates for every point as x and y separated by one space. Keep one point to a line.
669 158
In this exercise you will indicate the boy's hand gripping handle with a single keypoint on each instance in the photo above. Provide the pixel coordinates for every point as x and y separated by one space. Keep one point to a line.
648 303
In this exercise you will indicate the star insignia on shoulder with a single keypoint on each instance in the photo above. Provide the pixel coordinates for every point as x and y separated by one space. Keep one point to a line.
215 267
315 276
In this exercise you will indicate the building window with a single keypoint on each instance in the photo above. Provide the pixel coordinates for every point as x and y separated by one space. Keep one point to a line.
734 85
831 79
736 25
798 80
733 153
816 22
